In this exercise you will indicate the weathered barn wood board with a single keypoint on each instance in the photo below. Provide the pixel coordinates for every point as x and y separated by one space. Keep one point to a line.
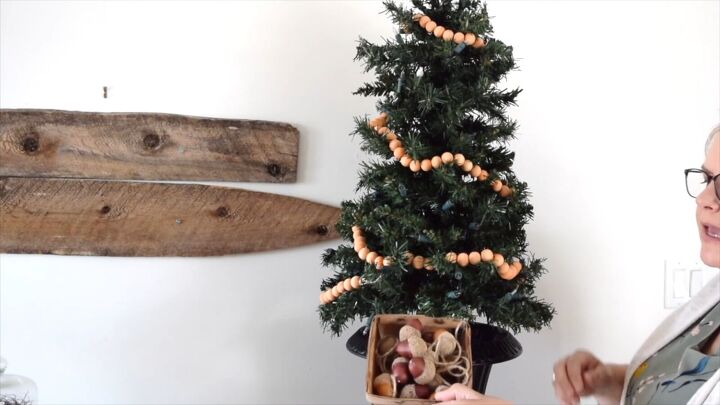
111 218
140 146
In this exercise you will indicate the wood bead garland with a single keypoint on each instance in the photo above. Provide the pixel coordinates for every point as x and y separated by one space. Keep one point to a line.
341 288
506 270
379 124
448 35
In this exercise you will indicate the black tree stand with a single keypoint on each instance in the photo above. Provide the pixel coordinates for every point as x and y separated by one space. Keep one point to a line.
490 345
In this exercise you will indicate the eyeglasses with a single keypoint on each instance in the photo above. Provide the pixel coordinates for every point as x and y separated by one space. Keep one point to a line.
697 180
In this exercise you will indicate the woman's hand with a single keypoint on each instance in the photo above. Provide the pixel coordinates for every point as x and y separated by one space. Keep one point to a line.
459 394
582 374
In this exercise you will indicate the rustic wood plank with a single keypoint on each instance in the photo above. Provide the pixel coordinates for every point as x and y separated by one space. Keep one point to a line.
111 218
140 146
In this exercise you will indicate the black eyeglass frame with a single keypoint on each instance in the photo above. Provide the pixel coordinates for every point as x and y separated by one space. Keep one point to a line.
708 179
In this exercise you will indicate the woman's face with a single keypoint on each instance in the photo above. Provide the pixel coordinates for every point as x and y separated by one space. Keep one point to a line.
708 209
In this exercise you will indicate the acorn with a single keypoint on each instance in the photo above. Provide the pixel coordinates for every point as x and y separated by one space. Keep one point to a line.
407 331
400 370
415 391
414 346
384 385
422 369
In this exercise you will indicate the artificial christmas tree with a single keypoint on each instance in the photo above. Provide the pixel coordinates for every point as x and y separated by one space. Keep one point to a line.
438 226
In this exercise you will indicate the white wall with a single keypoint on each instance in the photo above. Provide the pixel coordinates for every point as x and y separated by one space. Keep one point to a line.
618 99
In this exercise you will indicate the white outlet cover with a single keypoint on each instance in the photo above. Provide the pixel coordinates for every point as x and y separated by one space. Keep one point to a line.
685 279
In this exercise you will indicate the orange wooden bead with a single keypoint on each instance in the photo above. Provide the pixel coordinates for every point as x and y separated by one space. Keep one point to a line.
448 35
451 257
426 165
370 258
467 165
498 260
517 265
417 16
436 162
379 264
476 171
356 228
383 130
415 166
430 26
340 287
469 39
463 259
447 157
496 185
458 38
347 284
439 31
362 254
405 160
479 43
474 258
388 261
424 20
505 191
459 159
504 270
486 255
356 282
394 144
335 293
390 136
418 262
399 152
484 175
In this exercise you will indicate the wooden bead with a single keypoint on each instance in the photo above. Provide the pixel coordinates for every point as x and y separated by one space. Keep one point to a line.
334 292
388 261
463 259
447 157
448 35
476 171
383 115
458 38
487 255
467 165
436 162
355 282
505 192
479 43
430 26
474 258
504 270
451 257
347 284
362 254
356 229
424 20
428 264
459 159
498 260
415 166
370 258
394 145
399 152
340 287
417 16
496 185
418 262
484 175
426 165
517 265
383 130
469 39
408 257
379 262
405 160
391 136
373 123
439 31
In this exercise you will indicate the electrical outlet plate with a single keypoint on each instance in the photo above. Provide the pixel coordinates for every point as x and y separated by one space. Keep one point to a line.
683 280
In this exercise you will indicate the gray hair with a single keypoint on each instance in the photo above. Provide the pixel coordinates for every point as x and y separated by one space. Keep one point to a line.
712 134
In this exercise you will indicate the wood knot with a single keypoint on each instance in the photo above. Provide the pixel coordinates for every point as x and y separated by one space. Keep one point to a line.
321 230
105 209
274 169
30 144
151 141
222 212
